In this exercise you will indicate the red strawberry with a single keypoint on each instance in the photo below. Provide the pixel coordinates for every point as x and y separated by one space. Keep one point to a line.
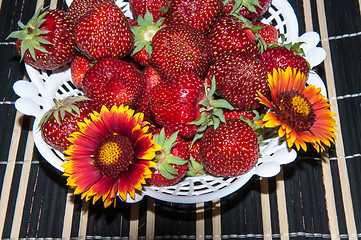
254 8
179 49
194 150
268 32
174 103
79 66
283 57
104 32
151 79
139 7
47 41
248 8
238 78
172 160
79 8
200 15
111 81
235 113
56 127
229 37
144 30
230 150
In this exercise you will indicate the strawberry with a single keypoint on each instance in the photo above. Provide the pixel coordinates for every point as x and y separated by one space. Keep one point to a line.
235 113
79 8
60 121
47 41
139 8
194 150
179 49
238 78
247 8
228 37
268 32
144 30
230 150
104 32
254 8
174 103
151 79
111 81
172 160
283 56
79 66
200 15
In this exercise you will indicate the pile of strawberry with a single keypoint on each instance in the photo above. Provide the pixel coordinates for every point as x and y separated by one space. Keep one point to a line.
193 67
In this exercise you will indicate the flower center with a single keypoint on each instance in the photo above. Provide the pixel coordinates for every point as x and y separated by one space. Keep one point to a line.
295 110
113 155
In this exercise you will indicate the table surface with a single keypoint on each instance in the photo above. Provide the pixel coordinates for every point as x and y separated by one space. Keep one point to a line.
315 197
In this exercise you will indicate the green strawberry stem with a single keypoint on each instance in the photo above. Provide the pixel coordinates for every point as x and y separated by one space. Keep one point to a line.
30 34
249 4
211 110
144 33
296 47
61 107
195 168
164 157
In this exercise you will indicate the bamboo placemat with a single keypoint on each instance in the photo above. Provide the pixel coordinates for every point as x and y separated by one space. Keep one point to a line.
316 197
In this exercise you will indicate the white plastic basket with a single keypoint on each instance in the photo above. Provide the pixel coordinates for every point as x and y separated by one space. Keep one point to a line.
36 98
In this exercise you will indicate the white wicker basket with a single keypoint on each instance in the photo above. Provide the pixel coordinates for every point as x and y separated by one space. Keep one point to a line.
36 98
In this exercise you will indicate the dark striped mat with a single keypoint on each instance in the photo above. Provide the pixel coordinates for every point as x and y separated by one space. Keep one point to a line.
316 197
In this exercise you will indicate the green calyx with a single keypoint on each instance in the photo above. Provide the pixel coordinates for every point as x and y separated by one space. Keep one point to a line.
195 168
144 32
164 158
296 47
31 34
211 111
61 108
249 4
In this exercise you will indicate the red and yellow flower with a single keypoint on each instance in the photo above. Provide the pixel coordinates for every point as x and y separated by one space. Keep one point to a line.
110 155
301 114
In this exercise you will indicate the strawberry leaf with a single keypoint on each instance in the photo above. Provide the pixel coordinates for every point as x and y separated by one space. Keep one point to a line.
202 128
171 159
204 102
251 4
160 138
163 9
197 136
148 17
56 116
170 142
222 103
216 122
195 168
219 113
213 88
165 170
200 120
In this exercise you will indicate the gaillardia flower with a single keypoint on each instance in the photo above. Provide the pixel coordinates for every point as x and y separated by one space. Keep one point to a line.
111 154
302 113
